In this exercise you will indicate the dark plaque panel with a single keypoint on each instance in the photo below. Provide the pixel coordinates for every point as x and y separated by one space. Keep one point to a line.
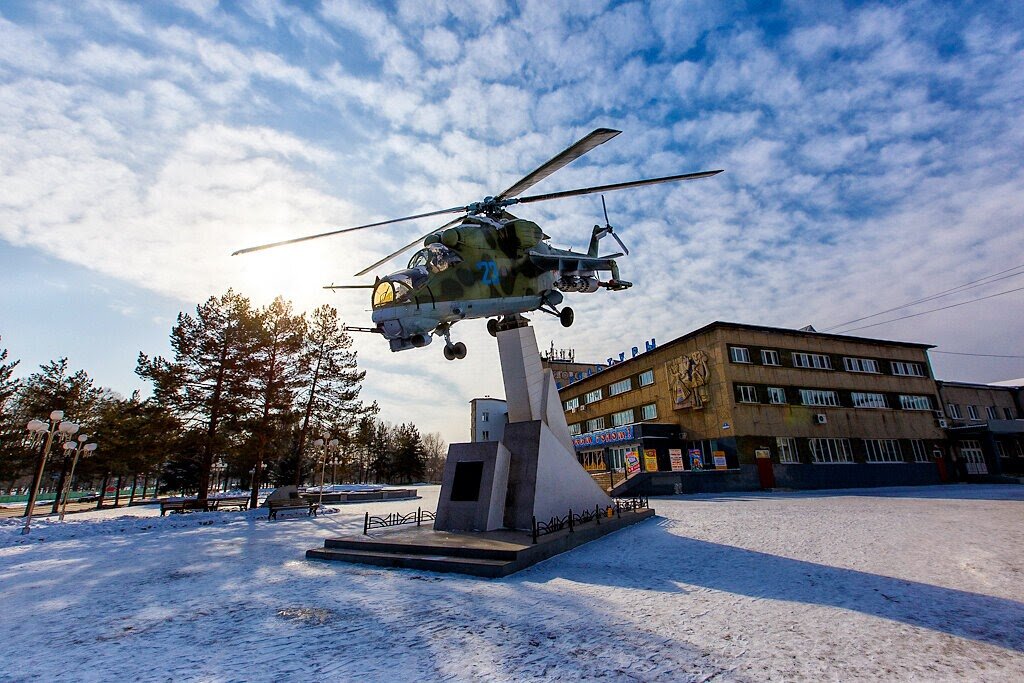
466 484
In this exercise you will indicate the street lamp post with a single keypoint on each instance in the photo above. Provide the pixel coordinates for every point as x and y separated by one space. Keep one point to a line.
219 468
39 430
78 448
328 447
335 461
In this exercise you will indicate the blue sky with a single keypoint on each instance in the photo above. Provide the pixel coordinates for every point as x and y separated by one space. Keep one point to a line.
872 155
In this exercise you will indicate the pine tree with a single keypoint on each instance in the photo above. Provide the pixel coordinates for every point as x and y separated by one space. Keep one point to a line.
409 455
8 385
332 382
210 381
279 378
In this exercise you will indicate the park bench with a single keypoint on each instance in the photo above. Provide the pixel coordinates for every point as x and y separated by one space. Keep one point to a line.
240 502
277 505
180 506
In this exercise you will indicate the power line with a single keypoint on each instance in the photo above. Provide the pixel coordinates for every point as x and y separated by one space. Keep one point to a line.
981 355
967 285
933 310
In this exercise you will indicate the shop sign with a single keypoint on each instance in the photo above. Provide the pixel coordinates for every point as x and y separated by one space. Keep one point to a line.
675 456
632 462
650 460
603 437
720 462
763 453
696 459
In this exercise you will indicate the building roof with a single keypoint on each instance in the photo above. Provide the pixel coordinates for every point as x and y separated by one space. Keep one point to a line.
976 385
759 328
1015 383
487 398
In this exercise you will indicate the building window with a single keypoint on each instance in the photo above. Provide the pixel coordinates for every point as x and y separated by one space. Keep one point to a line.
620 387
883 450
972 412
649 412
776 395
920 452
868 400
817 397
739 354
593 396
1008 413
815 361
786 446
830 450
485 416
575 429
486 435
646 378
769 357
993 413
1000 453
861 365
572 403
915 402
623 417
595 424
907 369
746 393
953 410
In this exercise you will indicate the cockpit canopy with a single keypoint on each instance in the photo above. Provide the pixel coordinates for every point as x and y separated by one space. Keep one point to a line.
434 258
397 288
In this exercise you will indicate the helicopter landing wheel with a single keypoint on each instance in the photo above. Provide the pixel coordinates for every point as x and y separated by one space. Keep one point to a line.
449 353
566 316
492 327
459 349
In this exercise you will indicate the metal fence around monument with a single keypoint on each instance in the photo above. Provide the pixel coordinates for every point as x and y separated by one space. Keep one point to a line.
395 519
572 519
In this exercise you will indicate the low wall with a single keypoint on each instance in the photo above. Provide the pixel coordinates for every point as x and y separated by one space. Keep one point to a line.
856 475
707 481
365 496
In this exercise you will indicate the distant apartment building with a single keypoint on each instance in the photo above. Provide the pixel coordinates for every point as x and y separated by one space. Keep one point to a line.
488 417
745 406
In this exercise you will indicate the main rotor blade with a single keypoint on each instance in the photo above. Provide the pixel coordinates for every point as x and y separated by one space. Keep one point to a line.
617 186
408 246
570 154
454 209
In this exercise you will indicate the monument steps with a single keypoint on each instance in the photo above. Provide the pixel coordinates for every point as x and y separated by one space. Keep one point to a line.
479 553
473 566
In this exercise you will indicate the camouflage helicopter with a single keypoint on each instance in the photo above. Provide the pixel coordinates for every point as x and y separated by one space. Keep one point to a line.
488 263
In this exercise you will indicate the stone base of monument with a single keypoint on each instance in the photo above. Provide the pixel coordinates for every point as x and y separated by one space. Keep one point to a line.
490 554
495 495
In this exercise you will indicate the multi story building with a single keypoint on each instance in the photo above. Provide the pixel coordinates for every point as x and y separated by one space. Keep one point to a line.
985 428
488 417
732 406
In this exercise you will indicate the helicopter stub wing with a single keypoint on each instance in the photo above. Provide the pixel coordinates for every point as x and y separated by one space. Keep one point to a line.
570 262
560 160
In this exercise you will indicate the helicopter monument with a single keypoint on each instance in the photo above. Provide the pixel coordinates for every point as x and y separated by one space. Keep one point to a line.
488 263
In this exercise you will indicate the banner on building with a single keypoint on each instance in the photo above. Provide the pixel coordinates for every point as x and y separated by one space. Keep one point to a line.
720 462
632 462
696 459
650 460
675 457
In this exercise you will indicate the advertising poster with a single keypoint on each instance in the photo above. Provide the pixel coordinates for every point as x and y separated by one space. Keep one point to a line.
650 460
675 456
696 459
720 463
632 462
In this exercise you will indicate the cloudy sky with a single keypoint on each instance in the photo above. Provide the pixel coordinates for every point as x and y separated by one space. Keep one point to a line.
872 155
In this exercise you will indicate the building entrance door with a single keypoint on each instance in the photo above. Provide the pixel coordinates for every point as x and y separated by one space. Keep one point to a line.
764 468
973 456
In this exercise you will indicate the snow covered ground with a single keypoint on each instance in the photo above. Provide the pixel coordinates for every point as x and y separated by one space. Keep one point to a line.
886 584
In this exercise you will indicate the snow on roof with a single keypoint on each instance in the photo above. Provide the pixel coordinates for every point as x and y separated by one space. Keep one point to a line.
1008 383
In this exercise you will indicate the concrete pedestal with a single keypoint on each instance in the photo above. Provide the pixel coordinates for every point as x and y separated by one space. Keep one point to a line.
542 479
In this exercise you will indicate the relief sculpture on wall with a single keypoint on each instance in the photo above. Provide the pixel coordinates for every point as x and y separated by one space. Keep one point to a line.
688 379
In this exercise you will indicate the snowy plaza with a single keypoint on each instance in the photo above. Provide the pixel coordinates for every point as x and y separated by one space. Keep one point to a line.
886 584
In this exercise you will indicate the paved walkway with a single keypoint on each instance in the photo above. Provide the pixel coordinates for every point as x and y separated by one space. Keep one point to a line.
43 509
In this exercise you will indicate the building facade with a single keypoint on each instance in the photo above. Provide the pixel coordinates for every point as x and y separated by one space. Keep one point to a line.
488 417
732 406
984 426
